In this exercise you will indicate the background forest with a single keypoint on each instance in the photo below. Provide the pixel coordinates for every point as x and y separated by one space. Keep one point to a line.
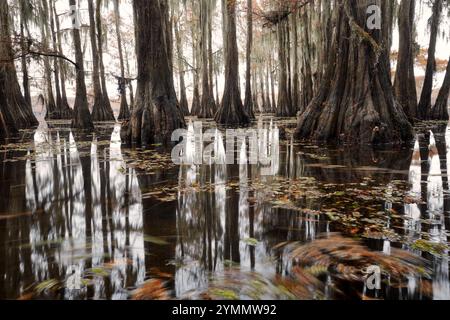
280 60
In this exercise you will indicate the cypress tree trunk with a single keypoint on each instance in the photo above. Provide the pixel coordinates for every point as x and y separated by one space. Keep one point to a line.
248 102
130 83
98 113
307 91
206 106
183 97
15 113
52 109
55 62
106 113
427 89
81 115
440 109
124 110
195 107
231 111
156 114
284 108
355 103
405 81
267 91
211 59
24 63
296 79
65 111
272 84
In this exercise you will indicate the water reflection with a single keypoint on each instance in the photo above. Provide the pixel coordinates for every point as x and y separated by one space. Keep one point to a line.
73 206
85 218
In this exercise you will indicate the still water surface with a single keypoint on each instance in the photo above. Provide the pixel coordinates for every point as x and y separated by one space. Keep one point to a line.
82 205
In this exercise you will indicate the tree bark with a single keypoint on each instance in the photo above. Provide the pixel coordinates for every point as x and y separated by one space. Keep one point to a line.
440 109
15 113
231 111
156 114
355 103
81 116
405 81
427 89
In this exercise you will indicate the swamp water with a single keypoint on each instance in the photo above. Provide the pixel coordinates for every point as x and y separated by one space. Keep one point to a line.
82 217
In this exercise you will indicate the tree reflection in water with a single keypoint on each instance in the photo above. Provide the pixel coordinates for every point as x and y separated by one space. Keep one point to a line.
73 206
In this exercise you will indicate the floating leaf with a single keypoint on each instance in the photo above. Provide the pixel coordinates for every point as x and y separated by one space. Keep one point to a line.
155 240
251 242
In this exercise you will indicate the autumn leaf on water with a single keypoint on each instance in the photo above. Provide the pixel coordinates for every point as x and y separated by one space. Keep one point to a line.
153 289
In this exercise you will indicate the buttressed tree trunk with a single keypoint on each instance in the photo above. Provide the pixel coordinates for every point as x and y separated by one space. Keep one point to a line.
81 115
15 113
427 89
99 113
231 111
405 81
156 114
248 102
440 109
106 113
355 103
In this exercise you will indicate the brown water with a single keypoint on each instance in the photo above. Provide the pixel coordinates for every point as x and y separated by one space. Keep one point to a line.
117 218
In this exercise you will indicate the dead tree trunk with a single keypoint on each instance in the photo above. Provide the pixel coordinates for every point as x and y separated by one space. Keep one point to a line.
427 89
15 113
355 103
405 81
231 111
440 109
156 114
81 116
